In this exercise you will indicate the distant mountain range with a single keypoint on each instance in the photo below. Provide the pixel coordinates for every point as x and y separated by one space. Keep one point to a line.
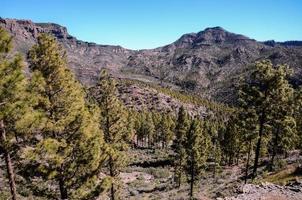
208 63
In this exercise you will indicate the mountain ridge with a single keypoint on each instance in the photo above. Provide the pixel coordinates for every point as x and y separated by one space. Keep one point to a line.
206 63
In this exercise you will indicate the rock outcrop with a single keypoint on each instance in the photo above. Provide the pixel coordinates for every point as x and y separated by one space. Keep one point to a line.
269 191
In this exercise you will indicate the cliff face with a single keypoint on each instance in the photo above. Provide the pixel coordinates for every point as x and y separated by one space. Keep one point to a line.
208 62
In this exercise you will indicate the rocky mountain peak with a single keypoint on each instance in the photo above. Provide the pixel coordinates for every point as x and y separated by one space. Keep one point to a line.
215 28
209 36
218 35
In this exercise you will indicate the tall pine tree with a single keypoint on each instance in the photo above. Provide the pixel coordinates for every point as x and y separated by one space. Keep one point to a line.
282 122
268 96
17 116
113 123
182 125
69 151
196 146
256 93
12 89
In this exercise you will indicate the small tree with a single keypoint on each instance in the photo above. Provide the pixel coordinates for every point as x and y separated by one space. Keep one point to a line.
197 144
146 130
181 128
165 131
211 128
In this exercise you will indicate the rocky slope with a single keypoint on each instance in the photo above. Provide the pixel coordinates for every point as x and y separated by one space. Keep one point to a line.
269 191
141 97
208 62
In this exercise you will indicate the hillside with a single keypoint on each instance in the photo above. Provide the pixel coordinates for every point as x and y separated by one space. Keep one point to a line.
157 124
207 63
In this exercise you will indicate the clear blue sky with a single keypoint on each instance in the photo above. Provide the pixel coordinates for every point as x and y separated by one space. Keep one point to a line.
138 24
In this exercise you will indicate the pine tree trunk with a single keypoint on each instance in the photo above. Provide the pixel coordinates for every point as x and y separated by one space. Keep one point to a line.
237 157
276 139
63 189
112 191
192 180
179 172
230 159
258 147
179 179
214 169
8 162
149 142
137 141
247 162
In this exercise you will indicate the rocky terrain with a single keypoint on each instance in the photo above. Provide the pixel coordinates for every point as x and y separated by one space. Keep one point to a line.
269 191
208 62
141 97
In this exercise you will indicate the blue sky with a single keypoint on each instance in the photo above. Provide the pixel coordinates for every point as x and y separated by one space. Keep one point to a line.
139 24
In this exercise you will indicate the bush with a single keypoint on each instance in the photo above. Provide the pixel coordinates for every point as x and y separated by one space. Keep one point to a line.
159 172
279 164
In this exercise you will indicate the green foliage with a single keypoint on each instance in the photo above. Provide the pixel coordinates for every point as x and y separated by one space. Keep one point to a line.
188 84
114 125
16 109
266 99
232 141
220 110
17 116
146 129
165 130
213 129
182 125
298 116
70 150
197 146
5 43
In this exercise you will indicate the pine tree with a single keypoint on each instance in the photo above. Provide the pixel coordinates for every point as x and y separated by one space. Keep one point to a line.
136 125
130 127
197 144
146 132
157 118
12 89
70 150
232 139
149 128
114 124
211 128
165 130
182 124
140 130
256 94
298 116
282 122
267 94
17 116
248 130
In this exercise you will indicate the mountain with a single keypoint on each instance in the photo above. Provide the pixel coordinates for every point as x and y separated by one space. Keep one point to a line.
207 63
